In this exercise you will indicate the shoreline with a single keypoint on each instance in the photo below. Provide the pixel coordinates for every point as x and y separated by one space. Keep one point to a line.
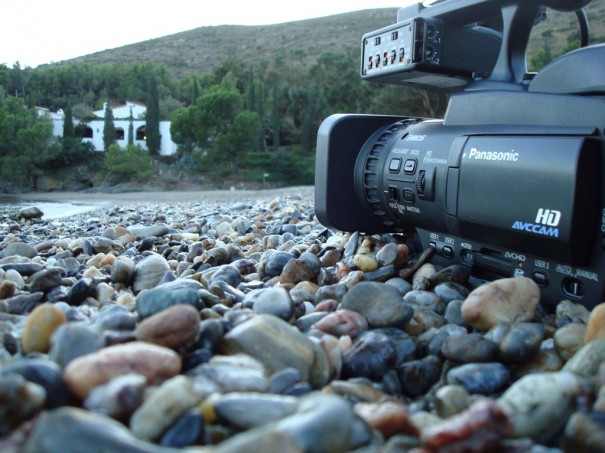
135 197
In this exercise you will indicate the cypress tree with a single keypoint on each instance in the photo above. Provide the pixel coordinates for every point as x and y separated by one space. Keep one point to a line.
69 132
110 135
275 120
130 129
195 90
152 118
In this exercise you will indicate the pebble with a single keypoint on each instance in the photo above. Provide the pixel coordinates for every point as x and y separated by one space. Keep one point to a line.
30 212
174 328
149 271
161 297
290 347
370 355
123 270
595 329
505 300
418 376
46 374
164 407
449 291
85 431
251 327
20 249
188 430
46 280
72 340
156 363
451 400
566 312
342 322
479 428
587 360
381 305
539 405
21 399
233 373
480 378
251 410
274 301
469 348
519 342
7 289
585 432
322 422
119 398
569 339
43 321
390 418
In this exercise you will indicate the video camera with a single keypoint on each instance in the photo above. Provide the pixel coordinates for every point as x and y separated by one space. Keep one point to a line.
510 182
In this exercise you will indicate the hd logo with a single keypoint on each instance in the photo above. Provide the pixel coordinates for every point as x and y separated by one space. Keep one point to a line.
546 223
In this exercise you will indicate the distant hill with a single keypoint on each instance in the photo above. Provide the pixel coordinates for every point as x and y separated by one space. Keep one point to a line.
202 49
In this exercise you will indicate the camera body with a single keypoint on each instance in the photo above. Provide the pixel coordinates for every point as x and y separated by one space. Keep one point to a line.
510 182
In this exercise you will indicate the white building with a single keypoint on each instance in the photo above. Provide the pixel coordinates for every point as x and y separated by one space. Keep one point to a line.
92 131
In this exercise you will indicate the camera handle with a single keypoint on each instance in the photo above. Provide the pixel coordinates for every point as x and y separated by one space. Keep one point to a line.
510 71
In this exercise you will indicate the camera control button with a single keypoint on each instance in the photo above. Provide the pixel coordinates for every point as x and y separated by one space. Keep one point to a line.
573 287
410 166
467 257
409 196
395 165
541 278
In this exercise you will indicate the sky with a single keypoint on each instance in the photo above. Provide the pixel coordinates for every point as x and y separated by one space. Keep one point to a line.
35 32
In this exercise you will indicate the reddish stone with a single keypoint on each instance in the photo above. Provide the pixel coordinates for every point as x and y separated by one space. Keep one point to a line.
479 428
388 417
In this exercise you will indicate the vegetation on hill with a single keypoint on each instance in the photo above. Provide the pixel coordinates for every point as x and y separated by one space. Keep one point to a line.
243 100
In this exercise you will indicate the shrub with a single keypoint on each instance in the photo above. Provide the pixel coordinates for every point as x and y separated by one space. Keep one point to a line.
124 165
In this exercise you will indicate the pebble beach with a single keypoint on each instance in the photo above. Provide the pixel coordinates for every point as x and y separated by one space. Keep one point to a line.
233 321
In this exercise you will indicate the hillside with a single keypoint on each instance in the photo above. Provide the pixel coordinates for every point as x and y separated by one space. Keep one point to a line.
203 49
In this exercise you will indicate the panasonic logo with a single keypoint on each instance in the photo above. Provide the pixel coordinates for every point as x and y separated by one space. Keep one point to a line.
502 156
536 228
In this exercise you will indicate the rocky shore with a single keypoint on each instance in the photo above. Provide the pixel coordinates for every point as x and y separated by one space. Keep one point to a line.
242 324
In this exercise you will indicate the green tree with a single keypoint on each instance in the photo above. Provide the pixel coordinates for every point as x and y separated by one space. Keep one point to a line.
182 129
124 165
69 133
130 128
152 118
241 137
27 144
213 113
109 129
219 128
275 116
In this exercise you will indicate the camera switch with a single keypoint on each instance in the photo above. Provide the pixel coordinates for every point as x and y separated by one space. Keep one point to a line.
395 165
467 257
425 184
410 166
573 287
409 196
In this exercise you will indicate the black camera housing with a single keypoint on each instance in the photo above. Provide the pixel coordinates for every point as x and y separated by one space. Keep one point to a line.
510 182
